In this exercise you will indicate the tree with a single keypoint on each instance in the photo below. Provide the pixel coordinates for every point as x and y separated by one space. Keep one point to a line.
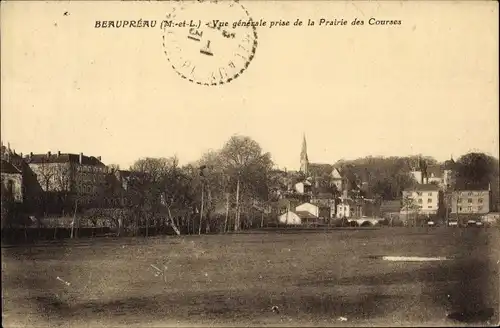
7 204
146 187
177 193
476 171
112 168
215 182
386 177
248 167
409 206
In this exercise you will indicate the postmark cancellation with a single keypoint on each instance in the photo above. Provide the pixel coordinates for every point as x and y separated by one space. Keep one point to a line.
209 42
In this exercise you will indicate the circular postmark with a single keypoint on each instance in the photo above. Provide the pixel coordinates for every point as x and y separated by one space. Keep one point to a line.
209 42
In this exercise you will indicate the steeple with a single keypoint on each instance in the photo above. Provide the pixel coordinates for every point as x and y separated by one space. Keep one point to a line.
304 161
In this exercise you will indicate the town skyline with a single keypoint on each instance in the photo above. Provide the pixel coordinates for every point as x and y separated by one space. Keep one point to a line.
293 167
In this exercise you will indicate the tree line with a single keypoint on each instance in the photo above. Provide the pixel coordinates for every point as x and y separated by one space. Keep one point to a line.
238 187
225 190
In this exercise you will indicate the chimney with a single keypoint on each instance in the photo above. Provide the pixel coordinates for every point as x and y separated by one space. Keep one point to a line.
99 158
80 159
48 153
30 155
58 153
21 154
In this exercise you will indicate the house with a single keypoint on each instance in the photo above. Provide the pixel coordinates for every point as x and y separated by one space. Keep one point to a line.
326 205
439 174
349 207
426 199
308 207
337 179
25 186
470 201
303 187
297 218
344 209
390 209
12 181
75 175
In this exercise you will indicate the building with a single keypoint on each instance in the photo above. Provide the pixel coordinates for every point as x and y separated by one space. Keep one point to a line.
24 182
297 218
390 209
12 181
308 207
345 208
439 174
349 208
426 199
304 160
77 176
303 187
337 179
449 169
470 202
326 204
318 171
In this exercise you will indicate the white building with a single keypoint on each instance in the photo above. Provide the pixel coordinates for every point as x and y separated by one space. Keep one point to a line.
349 208
302 187
297 218
344 210
426 196
337 179
308 207
441 175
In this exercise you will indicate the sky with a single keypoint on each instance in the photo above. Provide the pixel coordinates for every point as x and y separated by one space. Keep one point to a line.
429 85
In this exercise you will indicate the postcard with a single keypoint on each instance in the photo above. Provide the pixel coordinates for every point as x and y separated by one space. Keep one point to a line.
249 163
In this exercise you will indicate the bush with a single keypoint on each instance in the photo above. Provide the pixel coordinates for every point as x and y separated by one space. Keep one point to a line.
352 224
384 222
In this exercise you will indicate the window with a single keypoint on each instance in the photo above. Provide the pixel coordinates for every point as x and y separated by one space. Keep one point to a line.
480 200
469 200
429 206
460 209
420 200
419 193
429 194
459 200
429 200
469 208
479 208
470 194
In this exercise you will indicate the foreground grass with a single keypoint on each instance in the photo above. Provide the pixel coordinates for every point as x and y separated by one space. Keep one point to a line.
313 278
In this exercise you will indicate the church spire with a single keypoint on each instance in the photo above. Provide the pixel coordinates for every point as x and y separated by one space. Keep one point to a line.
304 161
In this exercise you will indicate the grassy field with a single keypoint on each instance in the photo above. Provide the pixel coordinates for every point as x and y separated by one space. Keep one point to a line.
314 278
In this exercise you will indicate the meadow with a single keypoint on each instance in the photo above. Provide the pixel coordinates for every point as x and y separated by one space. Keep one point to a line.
266 278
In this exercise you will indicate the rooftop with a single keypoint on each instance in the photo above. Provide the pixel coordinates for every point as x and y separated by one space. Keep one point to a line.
63 158
390 206
435 171
424 187
305 215
7 167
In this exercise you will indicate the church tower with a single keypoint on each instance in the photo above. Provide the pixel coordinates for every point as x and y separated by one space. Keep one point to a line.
304 161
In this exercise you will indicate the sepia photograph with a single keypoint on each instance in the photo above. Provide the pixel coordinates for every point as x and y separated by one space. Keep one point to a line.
225 163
